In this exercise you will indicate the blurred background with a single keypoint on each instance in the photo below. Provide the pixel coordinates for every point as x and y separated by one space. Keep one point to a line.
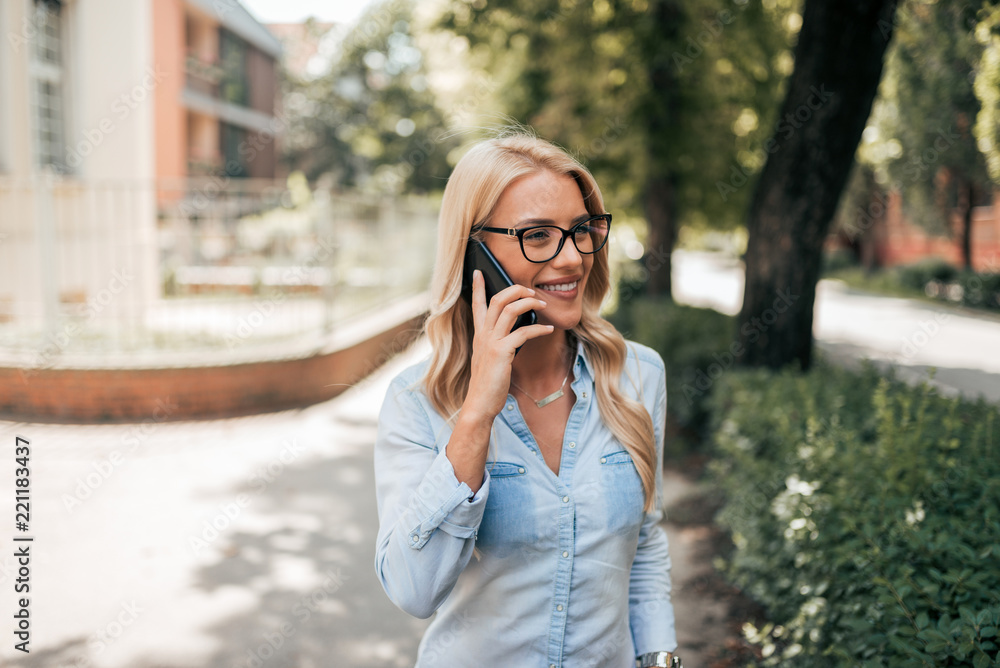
217 230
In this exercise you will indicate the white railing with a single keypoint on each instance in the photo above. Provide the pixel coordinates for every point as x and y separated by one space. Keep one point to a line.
110 268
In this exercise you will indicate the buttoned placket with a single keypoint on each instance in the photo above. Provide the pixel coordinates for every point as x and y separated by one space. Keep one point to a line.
567 506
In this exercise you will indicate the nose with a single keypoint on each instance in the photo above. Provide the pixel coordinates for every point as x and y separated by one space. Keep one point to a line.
568 255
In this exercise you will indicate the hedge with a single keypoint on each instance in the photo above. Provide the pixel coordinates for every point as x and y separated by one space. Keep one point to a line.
865 515
695 345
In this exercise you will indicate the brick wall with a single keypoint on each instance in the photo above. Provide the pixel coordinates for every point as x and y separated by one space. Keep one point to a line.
97 395
902 242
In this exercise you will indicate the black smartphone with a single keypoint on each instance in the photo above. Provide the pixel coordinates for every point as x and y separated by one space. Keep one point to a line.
495 279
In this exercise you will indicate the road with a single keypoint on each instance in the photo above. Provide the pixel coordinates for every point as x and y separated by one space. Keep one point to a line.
911 335
249 542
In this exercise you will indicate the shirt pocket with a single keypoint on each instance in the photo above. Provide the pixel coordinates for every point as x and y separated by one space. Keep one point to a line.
509 517
623 494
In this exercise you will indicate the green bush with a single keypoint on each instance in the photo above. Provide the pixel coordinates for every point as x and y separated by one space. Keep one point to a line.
694 344
838 260
865 516
980 290
917 276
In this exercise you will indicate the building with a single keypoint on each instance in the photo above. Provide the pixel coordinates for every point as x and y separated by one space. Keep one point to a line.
882 235
110 109
221 116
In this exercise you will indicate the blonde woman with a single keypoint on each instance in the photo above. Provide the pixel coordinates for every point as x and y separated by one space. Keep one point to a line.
519 494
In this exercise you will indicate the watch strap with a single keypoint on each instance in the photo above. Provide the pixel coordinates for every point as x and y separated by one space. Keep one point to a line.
658 660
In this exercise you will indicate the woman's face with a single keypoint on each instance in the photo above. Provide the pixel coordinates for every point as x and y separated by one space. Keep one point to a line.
544 198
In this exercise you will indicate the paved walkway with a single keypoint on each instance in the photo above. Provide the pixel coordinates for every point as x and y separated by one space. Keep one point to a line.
225 543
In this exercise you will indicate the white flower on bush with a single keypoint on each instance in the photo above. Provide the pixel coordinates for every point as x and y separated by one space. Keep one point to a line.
797 486
917 514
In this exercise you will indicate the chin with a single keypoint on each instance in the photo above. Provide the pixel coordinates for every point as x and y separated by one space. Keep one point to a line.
561 322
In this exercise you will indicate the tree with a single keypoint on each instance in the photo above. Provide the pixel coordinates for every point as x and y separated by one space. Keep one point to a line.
930 108
663 99
371 121
838 63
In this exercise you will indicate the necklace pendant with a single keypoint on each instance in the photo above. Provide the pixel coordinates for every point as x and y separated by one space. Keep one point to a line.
549 399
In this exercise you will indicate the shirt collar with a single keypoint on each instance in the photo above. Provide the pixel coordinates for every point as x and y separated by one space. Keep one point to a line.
582 358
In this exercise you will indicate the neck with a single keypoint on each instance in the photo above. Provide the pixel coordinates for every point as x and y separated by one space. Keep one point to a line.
543 362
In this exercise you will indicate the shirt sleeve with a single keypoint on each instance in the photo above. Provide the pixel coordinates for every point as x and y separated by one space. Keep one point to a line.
427 519
651 612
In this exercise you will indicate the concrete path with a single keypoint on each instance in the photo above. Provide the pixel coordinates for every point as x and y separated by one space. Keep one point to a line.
229 543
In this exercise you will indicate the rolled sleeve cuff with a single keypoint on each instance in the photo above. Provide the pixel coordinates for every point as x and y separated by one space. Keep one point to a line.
653 627
442 502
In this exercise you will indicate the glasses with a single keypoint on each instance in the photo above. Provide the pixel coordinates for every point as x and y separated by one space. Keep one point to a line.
541 243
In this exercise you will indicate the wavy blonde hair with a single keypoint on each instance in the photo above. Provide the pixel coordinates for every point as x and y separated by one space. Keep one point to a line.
472 192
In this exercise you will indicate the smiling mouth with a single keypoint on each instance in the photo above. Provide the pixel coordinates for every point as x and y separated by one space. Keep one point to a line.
560 287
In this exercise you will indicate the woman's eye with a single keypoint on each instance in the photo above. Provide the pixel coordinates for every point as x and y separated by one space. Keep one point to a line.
536 235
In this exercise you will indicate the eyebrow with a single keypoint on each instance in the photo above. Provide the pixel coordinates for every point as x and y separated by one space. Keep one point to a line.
548 221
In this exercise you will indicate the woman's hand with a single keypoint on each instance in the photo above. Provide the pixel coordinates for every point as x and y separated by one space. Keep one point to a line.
494 345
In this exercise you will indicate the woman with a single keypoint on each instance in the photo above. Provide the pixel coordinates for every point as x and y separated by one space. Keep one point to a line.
519 495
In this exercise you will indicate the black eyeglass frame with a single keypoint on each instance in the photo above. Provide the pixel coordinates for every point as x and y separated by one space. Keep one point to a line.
520 232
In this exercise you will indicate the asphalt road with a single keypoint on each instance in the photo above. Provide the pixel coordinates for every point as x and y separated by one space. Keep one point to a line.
913 336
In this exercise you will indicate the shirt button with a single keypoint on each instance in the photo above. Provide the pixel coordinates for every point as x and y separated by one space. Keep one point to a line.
520 469
565 553
510 407
565 499
584 395
572 444
559 607
414 538
604 460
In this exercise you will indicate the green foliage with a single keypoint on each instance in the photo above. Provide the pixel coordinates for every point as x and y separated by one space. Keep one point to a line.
932 278
917 276
920 138
979 290
371 122
693 343
683 89
987 87
866 517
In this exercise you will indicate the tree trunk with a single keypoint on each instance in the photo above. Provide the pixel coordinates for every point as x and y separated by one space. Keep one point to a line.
838 64
967 227
661 215
661 107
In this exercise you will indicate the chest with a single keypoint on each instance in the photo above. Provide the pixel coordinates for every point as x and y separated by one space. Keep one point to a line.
548 426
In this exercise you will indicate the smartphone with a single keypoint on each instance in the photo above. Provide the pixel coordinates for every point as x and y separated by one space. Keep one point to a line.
478 256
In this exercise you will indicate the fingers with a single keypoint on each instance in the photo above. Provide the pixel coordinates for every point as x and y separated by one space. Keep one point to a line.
503 300
522 334
511 312
478 300
498 317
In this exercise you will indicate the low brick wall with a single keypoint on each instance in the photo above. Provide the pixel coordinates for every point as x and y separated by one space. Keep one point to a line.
137 394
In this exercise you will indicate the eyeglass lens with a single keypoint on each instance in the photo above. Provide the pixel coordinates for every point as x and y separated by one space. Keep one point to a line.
542 243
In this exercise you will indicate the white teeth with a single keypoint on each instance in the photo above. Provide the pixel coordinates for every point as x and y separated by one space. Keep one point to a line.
564 287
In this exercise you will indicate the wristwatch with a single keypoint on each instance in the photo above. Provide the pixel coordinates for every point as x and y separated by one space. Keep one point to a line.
658 660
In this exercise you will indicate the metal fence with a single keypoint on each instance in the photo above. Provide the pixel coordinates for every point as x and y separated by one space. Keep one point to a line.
95 269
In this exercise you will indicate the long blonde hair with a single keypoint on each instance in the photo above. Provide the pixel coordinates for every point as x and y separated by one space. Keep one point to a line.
475 185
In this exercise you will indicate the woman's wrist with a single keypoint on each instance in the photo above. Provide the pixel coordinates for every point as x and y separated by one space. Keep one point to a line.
474 420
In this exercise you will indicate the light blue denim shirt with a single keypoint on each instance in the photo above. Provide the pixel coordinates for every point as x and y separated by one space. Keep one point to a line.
567 570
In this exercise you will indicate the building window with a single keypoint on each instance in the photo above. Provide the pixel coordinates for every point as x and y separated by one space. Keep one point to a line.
232 139
233 86
47 80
